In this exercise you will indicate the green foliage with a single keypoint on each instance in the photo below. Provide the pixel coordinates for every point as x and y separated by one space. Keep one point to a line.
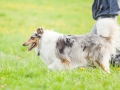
23 70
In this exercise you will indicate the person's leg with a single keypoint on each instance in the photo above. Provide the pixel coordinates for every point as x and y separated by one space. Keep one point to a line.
94 29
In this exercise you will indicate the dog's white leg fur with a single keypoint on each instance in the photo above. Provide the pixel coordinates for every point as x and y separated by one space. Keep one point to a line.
55 66
104 63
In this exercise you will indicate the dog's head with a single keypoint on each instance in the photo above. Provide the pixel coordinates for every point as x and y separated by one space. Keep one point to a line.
33 41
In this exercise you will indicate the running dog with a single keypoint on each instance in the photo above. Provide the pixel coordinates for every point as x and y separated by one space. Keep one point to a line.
60 51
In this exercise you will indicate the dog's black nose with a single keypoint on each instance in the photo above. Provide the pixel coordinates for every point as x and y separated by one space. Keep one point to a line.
23 44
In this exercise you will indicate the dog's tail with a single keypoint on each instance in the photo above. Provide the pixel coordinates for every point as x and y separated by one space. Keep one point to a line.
108 29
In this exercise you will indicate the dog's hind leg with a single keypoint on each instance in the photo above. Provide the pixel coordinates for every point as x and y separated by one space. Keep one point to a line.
105 67
104 63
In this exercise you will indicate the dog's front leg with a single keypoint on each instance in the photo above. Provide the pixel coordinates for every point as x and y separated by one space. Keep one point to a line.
56 65
53 66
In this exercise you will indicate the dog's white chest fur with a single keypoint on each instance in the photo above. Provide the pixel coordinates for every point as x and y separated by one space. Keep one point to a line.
48 46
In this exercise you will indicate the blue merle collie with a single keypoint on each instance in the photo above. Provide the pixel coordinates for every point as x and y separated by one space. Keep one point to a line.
62 52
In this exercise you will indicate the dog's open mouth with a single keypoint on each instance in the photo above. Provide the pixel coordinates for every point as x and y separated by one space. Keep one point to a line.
32 46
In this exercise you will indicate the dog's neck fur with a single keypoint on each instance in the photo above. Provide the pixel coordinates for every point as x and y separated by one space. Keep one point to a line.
45 48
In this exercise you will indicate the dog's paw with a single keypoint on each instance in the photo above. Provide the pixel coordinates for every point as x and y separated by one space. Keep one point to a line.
50 67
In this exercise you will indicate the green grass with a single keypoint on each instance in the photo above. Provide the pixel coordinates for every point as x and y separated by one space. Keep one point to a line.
23 70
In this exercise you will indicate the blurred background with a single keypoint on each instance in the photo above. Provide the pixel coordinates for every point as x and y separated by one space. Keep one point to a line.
23 70
20 18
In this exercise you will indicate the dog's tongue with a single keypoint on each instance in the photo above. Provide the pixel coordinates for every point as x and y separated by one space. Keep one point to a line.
31 46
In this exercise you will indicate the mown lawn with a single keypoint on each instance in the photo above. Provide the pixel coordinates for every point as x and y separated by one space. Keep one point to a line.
23 70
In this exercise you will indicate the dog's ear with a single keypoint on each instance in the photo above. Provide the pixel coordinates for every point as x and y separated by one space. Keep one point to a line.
40 30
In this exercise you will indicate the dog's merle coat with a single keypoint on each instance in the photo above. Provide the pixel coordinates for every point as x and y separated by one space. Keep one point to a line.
88 41
62 43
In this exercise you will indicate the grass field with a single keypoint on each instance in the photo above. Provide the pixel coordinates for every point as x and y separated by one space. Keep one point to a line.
23 70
